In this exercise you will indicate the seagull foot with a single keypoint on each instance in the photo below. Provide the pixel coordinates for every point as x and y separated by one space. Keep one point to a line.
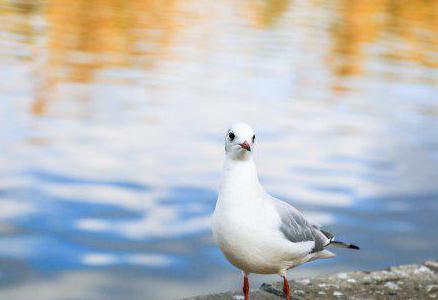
246 287
286 289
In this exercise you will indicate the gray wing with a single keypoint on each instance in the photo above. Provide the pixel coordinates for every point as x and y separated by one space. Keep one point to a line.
296 228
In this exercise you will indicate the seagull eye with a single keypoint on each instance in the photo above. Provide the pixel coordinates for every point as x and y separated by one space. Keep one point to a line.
253 138
231 136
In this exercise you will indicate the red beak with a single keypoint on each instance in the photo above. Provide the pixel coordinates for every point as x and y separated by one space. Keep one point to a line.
245 146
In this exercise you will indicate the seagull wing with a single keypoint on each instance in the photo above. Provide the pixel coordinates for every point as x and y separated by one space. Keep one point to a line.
296 228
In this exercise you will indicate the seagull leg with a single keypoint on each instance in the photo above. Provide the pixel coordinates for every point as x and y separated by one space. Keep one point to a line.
286 289
246 286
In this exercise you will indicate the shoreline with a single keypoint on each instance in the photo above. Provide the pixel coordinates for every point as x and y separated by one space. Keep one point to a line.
400 282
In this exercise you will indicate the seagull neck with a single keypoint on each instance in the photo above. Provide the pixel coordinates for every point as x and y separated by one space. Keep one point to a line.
238 175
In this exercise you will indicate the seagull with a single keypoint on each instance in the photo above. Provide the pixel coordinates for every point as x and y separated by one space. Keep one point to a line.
256 232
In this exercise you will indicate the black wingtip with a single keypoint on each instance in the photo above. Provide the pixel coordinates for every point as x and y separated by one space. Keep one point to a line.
353 247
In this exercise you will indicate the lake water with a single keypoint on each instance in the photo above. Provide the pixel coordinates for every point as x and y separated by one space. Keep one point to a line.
112 117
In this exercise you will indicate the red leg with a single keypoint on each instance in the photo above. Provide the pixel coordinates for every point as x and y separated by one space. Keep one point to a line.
246 286
286 289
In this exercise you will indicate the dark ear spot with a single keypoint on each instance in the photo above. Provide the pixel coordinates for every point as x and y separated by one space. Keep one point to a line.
253 138
231 135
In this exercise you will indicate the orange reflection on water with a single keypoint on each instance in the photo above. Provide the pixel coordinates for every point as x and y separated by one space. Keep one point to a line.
407 30
355 25
85 36
82 37
265 13
121 32
415 25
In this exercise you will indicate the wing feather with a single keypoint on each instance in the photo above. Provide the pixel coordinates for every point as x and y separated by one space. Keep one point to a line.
296 228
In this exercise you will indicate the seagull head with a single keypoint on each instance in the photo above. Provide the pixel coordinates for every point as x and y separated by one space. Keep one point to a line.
239 141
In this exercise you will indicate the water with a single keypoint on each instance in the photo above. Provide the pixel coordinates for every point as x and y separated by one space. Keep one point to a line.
112 117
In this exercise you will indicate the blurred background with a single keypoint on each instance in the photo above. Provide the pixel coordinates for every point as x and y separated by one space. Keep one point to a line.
112 118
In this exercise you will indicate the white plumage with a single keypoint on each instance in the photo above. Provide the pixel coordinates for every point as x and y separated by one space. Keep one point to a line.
256 232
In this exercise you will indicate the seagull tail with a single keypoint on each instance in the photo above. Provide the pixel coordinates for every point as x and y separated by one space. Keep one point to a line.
339 244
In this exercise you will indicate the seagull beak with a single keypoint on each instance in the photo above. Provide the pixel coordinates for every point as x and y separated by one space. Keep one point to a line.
245 146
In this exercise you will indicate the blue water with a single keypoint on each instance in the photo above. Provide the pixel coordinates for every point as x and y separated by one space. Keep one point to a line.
112 124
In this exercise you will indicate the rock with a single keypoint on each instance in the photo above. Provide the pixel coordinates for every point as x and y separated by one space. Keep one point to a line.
432 264
402 282
254 295
391 285
432 288
323 285
337 294
424 269
303 281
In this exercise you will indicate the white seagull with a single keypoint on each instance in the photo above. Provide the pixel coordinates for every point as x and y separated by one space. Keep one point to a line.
256 232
